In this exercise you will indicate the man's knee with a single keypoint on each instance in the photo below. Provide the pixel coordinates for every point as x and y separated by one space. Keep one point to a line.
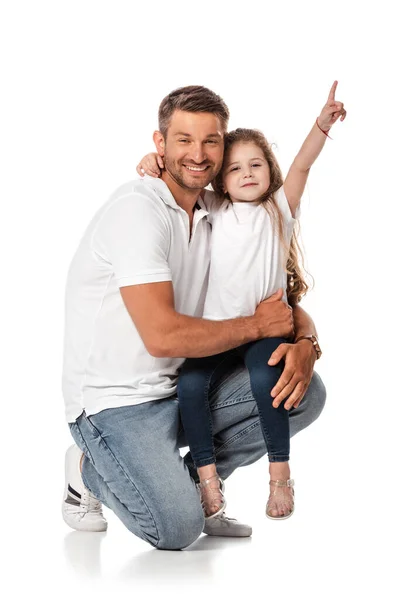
318 395
179 528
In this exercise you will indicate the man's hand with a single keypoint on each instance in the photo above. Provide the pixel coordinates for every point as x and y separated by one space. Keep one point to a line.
275 317
296 376
151 164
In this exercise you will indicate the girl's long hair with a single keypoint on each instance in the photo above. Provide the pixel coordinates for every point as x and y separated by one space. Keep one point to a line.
296 284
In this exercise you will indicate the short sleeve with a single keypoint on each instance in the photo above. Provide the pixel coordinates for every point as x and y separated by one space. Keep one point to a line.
133 237
284 207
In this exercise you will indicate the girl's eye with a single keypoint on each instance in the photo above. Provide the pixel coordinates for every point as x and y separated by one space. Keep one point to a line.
234 168
256 165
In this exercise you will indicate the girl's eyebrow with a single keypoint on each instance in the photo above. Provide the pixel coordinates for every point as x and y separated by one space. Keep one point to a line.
250 159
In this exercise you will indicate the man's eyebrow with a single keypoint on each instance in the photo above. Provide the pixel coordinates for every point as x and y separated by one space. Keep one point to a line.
210 135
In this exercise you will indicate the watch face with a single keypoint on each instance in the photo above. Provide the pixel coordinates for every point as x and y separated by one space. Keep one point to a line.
315 343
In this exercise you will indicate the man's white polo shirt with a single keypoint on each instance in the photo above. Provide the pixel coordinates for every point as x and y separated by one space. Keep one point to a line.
139 236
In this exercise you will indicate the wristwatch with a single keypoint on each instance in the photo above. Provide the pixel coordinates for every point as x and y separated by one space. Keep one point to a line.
314 340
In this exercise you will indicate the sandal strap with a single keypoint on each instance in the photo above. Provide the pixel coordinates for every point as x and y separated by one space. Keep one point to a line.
282 482
205 482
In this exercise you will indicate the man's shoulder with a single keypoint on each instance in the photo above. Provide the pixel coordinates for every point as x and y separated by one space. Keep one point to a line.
135 195
135 187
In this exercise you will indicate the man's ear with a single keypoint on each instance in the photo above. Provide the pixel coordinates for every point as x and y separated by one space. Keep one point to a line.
159 141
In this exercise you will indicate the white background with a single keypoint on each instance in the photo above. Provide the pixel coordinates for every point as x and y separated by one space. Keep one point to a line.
81 82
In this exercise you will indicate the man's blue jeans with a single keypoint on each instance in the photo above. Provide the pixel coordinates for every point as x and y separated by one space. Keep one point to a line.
133 465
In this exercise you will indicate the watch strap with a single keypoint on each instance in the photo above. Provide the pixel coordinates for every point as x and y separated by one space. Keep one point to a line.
314 340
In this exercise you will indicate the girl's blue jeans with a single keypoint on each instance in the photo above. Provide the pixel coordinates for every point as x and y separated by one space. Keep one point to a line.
196 378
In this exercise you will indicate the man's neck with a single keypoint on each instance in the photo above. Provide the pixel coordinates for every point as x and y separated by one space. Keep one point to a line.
185 198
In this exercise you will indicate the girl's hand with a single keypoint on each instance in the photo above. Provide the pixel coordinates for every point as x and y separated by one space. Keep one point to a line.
151 164
331 111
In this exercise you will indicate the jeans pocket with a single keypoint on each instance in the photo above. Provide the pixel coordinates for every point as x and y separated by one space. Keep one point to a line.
79 440
92 427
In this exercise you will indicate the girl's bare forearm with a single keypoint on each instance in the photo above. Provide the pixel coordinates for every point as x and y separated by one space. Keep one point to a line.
310 149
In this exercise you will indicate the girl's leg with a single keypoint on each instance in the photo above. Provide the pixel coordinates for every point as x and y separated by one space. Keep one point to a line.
274 422
194 382
238 439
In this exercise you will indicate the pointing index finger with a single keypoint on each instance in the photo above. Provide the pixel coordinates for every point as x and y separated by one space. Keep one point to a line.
331 97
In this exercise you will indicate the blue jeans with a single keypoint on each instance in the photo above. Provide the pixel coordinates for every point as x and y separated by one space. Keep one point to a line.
133 465
195 379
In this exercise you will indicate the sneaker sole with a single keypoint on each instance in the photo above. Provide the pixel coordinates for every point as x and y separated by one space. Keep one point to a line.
223 533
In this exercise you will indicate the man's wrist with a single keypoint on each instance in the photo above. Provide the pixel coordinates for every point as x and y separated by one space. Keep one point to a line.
314 341
255 330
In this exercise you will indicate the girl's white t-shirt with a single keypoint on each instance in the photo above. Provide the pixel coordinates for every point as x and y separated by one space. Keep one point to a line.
247 258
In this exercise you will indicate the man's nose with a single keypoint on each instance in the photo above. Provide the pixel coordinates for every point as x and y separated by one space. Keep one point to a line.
197 153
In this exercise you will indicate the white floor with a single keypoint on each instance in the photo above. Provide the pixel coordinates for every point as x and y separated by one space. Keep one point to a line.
340 542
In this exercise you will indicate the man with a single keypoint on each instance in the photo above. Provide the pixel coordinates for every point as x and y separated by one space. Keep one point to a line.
134 301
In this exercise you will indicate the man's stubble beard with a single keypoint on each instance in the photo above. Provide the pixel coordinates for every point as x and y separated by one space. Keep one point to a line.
176 172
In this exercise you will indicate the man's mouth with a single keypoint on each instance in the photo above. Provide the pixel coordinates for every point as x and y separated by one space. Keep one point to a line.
194 169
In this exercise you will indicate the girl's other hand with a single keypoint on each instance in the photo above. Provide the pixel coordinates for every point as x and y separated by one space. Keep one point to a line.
332 110
151 164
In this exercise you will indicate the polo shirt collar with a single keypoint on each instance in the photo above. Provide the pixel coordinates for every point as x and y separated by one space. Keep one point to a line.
163 191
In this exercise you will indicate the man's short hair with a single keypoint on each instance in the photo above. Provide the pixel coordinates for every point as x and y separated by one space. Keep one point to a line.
192 98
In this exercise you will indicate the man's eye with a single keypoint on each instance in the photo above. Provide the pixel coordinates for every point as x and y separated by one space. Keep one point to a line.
184 141
211 142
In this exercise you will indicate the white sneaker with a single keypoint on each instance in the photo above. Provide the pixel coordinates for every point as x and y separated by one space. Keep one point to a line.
223 526
80 509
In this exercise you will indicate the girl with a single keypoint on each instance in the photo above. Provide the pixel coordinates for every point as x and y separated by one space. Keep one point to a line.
254 254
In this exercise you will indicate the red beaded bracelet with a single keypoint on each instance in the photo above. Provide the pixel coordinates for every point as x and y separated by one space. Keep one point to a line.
325 132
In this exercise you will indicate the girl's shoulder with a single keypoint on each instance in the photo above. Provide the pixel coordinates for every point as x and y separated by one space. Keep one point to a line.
213 203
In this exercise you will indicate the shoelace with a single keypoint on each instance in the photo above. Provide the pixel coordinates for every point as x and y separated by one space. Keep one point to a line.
223 517
90 504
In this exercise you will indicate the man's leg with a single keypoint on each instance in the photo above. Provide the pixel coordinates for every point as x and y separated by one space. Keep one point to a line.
132 465
238 437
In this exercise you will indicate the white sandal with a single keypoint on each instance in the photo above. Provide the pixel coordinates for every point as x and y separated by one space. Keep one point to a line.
276 497
215 497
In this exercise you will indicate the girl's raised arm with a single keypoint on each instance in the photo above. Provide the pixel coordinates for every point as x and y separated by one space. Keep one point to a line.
297 176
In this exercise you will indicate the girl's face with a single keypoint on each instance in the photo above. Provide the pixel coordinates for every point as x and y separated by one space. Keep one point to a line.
246 175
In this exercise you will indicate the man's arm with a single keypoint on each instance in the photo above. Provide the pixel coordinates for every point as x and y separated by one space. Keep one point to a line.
166 333
303 323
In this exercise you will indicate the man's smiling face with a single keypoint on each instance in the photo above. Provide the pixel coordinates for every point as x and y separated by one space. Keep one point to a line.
193 149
